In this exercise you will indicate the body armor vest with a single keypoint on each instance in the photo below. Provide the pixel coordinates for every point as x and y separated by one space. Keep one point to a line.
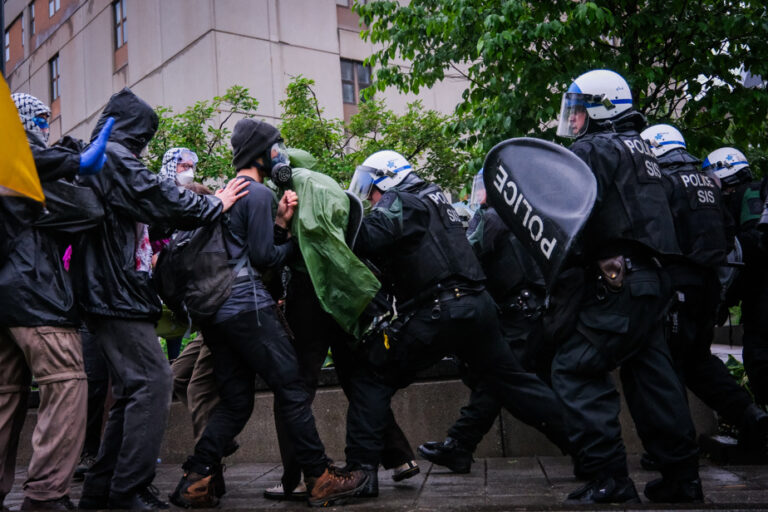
508 265
442 253
633 208
696 206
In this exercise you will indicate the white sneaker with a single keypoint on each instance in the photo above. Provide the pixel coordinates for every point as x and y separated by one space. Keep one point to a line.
406 470
277 493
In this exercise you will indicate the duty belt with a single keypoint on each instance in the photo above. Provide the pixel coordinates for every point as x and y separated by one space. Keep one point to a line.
440 293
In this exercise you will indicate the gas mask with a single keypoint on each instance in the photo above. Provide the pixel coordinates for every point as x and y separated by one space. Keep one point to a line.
280 171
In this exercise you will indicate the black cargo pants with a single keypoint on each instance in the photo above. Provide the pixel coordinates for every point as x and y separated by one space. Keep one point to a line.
468 327
624 328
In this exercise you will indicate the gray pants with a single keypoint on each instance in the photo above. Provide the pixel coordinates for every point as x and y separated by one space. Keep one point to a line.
141 388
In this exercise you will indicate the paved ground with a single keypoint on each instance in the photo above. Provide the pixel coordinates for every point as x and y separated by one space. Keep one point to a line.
529 483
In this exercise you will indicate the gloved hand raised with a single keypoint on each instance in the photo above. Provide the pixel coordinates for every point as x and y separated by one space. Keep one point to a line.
94 157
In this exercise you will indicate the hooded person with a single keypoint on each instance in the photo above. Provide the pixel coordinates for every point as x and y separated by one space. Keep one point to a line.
111 271
38 326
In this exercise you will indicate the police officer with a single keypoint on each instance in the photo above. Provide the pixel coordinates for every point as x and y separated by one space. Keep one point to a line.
695 201
517 286
618 320
414 236
742 198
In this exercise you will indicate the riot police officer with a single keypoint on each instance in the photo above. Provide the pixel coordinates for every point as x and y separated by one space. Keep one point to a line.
742 198
695 201
416 239
517 286
620 306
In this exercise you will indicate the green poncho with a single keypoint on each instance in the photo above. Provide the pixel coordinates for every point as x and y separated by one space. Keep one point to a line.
342 282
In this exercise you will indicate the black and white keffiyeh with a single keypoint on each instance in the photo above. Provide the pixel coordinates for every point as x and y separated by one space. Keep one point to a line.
172 158
30 107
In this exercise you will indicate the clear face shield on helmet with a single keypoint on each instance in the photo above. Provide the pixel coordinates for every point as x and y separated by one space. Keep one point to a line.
362 182
573 115
477 197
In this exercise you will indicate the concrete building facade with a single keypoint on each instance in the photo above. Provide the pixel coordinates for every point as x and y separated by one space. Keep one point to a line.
74 54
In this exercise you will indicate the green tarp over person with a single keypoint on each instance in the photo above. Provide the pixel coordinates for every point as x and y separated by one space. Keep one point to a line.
344 285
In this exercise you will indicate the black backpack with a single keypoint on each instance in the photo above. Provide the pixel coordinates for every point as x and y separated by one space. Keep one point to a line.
194 272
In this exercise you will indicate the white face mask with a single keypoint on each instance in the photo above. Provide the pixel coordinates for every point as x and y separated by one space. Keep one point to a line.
185 177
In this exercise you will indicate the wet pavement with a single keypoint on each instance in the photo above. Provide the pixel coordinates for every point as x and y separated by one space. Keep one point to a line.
525 483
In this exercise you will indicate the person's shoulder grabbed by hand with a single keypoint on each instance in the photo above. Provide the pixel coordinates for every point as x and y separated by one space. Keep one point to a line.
232 192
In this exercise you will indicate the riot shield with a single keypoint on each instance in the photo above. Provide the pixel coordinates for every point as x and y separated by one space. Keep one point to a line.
355 219
544 193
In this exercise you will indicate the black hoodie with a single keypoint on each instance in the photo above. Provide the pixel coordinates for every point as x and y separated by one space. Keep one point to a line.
104 269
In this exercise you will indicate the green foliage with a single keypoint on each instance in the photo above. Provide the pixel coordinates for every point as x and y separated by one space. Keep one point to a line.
736 368
202 129
339 146
682 60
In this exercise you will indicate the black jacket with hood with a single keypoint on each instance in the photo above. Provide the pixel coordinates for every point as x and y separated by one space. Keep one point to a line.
34 288
104 268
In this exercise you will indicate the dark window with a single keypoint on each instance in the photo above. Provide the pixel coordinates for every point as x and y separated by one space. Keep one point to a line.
31 19
120 23
53 7
355 76
54 66
7 46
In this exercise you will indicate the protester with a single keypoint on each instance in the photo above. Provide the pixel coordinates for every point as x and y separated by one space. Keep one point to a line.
111 272
247 338
39 325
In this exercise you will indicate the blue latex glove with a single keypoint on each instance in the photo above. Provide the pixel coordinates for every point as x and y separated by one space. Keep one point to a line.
94 157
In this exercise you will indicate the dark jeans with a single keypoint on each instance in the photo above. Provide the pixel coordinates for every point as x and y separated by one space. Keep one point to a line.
624 328
314 332
174 347
251 343
468 327
752 288
98 386
141 387
477 417
701 371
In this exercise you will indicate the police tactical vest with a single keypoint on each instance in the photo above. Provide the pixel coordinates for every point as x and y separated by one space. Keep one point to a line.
697 210
633 206
507 265
443 252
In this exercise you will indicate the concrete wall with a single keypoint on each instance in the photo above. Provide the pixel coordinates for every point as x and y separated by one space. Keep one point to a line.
424 411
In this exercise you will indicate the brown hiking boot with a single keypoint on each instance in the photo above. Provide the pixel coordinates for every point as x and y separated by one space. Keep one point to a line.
334 486
195 491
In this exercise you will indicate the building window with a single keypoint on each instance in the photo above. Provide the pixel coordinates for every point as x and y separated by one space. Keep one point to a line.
120 20
54 66
349 3
355 77
53 7
7 46
31 19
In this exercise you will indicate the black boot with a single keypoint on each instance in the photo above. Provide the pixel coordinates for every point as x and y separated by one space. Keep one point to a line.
371 488
753 434
196 488
605 490
450 453
666 490
143 499
63 503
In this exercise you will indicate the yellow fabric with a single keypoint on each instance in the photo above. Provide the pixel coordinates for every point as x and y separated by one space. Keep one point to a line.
18 175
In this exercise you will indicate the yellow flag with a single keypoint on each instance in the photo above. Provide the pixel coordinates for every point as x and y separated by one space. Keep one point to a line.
18 175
